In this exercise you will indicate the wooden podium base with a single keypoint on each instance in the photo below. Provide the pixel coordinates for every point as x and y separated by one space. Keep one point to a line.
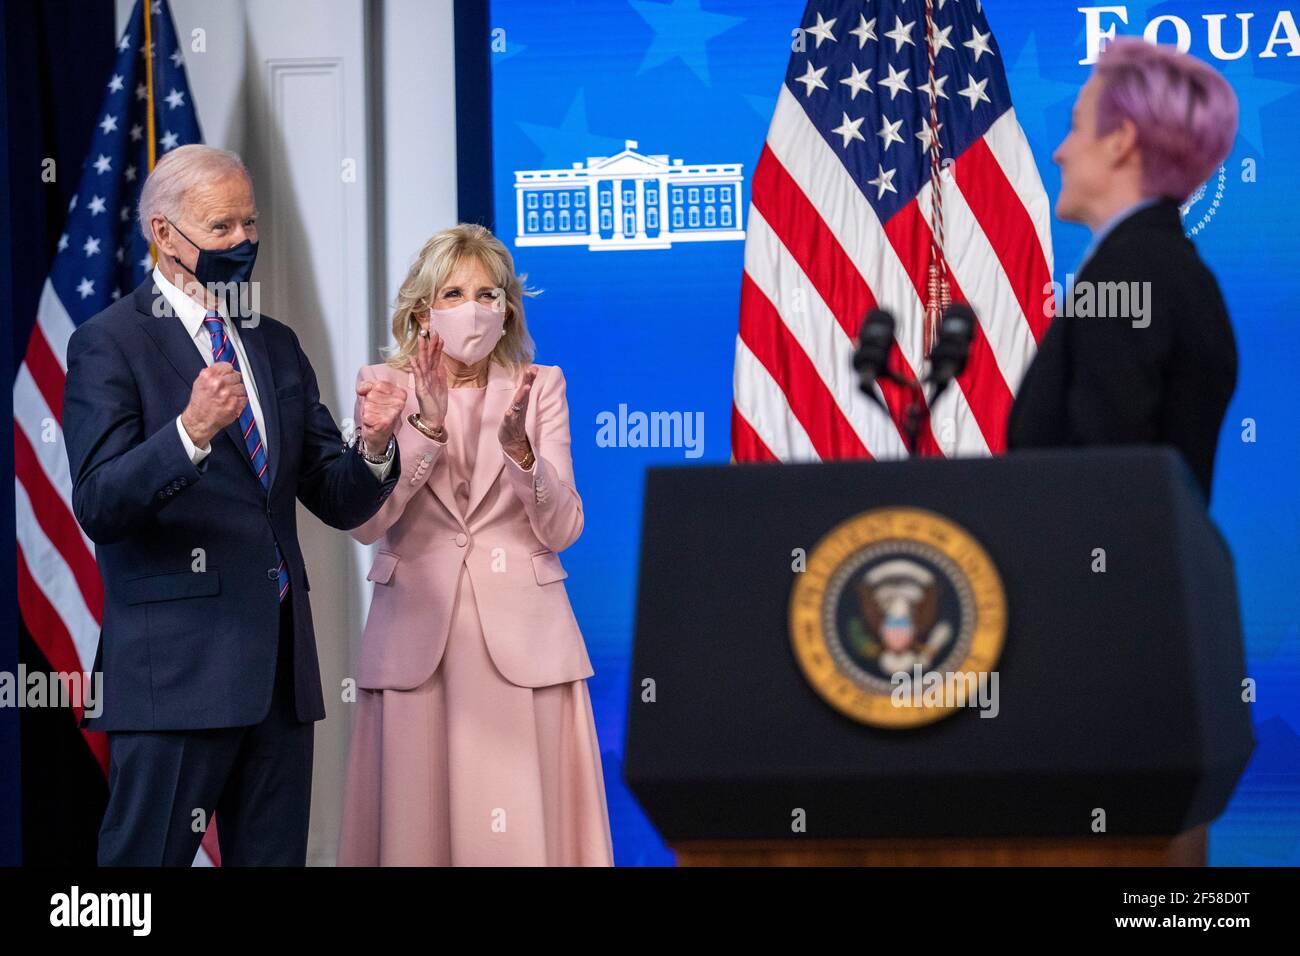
1186 849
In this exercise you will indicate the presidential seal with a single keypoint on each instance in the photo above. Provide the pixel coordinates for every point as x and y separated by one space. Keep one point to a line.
891 592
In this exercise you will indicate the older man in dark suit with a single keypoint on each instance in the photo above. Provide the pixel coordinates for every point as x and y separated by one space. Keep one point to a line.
190 433
1150 125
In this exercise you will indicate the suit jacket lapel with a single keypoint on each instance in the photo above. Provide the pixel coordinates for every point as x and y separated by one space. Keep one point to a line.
489 460
167 332
440 480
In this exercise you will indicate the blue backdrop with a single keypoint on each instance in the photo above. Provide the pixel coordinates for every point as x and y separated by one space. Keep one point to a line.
654 329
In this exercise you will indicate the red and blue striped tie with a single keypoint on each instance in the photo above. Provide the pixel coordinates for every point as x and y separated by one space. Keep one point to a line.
223 350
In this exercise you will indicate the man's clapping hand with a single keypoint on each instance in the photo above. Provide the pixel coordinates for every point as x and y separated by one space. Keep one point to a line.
217 399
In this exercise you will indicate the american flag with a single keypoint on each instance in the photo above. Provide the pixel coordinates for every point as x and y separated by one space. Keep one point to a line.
101 257
840 222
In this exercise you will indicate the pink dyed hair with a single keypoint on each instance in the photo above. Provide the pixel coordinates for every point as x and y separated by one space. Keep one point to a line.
1185 112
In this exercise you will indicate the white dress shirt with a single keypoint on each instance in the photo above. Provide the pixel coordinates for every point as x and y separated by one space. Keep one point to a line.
191 314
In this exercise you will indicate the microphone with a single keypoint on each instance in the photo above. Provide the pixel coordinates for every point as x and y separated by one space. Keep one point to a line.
871 359
952 347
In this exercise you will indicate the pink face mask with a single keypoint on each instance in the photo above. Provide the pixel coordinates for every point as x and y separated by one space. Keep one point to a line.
470 331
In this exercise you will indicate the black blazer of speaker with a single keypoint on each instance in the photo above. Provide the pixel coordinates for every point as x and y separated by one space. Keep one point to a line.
1161 379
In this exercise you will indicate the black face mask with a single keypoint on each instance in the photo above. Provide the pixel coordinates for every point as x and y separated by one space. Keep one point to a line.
222 266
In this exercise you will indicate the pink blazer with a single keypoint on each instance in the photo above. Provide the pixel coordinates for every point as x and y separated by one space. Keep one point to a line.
518 521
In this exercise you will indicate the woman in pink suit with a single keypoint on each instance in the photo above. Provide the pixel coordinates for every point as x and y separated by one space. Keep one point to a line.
473 742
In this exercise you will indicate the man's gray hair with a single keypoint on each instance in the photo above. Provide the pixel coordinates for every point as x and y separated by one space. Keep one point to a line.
175 174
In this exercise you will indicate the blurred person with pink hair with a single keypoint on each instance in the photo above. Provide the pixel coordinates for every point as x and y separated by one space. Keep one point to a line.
1142 351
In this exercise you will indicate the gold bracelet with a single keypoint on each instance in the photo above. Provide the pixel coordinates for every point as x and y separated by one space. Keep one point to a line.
527 463
438 434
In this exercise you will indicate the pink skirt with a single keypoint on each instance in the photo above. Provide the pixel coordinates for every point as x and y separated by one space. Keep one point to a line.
469 769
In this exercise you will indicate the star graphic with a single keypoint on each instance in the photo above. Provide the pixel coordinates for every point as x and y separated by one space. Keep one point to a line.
63 242
125 43
103 164
889 132
812 79
91 248
681 31
1042 103
86 288
176 57
509 51
96 205
902 33
145 263
560 145
822 31
121 253
884 181
108 124
940 40
857 81
927 137
864 31
762 105
1261 94
141 91
939 81
975 91
169 141
175 98
117 294
137 131
129 173
897 82
115 84
124 213
72 203
849 129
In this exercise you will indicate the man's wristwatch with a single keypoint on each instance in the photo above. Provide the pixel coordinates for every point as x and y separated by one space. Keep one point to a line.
425 429
384 459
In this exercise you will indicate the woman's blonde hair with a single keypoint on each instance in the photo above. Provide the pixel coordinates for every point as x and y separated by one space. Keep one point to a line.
429 272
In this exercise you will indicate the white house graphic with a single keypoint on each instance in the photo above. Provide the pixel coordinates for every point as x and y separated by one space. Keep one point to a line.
628 201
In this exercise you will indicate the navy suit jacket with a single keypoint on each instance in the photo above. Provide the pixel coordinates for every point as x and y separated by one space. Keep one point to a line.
187 553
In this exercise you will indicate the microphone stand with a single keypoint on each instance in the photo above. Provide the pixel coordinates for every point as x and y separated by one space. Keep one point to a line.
918 406
918 409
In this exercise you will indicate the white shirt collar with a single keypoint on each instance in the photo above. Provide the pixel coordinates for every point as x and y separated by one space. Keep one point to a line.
186 309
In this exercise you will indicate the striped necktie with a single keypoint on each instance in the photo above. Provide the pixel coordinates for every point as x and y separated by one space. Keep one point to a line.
223 350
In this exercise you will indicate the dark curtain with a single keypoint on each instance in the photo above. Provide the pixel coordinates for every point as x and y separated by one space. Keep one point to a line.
56 57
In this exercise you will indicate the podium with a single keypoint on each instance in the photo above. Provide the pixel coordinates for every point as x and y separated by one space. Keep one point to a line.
1120 726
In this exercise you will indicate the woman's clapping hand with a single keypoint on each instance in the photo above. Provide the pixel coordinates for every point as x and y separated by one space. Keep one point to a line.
430 377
